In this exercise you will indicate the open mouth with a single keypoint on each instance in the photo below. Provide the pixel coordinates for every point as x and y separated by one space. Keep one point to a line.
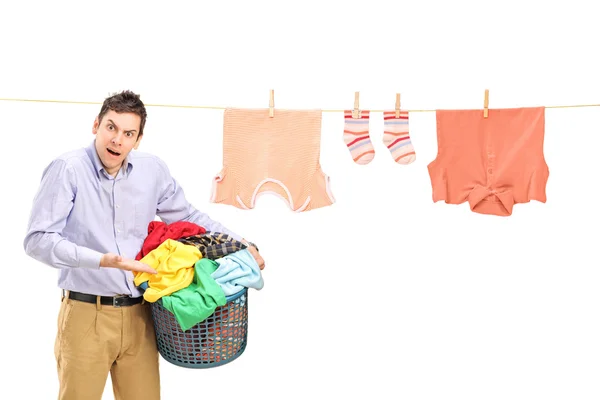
114 153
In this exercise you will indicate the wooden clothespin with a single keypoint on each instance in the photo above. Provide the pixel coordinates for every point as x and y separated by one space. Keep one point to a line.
486 103
397 105
356 112
271 103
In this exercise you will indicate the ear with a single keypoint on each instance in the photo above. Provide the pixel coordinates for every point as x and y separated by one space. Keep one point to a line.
95 126
137 142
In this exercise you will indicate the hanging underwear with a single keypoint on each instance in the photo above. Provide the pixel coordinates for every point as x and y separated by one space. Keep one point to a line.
278 155
493 163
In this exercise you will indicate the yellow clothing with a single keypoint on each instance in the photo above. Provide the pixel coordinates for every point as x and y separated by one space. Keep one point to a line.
174 263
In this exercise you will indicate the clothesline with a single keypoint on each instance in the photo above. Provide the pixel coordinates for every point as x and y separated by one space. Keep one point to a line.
223 108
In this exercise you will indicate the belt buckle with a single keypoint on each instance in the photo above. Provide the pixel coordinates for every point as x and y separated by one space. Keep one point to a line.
117 300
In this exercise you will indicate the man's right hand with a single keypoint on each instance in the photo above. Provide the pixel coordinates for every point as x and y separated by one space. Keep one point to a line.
110 260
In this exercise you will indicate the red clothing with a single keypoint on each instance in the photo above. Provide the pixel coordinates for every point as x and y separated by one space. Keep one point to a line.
158 232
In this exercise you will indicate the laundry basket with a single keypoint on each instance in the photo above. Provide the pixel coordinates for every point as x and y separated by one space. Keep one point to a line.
218 340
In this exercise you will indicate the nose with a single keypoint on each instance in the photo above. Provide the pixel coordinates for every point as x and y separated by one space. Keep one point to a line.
116 139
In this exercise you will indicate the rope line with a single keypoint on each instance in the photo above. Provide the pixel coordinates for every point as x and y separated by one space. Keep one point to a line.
223 108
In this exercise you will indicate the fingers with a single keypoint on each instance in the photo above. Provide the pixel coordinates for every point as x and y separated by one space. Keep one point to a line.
259 260
116 261
147 269
141 267
134 266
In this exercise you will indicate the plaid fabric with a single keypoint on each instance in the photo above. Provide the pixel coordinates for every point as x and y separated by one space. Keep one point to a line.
213 245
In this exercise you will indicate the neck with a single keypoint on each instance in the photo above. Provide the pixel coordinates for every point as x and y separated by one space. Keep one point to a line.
116 171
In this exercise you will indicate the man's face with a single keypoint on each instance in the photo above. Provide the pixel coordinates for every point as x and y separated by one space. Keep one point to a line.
116 135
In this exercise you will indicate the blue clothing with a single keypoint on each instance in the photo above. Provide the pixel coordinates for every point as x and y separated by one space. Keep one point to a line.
81 212
237 271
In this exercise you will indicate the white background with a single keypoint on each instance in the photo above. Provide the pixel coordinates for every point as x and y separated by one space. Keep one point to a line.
384 294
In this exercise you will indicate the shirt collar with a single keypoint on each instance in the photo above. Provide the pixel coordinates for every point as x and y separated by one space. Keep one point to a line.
99 168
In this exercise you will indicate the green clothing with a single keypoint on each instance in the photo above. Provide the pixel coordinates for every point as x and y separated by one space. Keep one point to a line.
195 303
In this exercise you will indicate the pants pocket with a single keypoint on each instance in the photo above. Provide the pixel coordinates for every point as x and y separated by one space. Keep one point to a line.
78 320
63 315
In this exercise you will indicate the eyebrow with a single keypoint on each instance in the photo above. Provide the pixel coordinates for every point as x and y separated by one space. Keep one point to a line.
113 122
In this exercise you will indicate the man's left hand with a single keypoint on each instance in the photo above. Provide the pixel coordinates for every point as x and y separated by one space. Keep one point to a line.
256 255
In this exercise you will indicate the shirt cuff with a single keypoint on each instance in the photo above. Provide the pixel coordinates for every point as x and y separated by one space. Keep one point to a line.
88 258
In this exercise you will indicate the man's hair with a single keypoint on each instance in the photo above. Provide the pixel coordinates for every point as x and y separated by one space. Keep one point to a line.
123 102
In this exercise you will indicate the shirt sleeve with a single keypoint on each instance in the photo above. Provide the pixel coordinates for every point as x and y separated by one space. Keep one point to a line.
51 207
173 206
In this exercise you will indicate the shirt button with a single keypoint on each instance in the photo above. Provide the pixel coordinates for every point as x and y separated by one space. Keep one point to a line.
118 231
489 171
117 206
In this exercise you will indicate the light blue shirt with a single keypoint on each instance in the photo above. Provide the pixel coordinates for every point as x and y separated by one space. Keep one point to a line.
81 212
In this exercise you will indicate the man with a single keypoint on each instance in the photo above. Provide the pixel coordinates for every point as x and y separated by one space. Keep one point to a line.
89 219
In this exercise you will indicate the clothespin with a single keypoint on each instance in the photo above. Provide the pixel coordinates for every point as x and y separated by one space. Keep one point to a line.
271 103
356 112
397 105
486 102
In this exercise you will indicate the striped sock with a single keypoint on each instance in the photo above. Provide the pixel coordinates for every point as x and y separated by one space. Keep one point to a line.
357 139
396 137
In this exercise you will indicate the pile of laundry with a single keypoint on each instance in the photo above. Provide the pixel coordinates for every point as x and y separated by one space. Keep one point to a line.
196 270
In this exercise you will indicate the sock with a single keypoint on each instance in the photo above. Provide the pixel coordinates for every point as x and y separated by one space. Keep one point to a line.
396 137
357 139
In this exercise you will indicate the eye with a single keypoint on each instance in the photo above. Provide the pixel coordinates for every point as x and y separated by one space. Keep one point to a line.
129 134
111 127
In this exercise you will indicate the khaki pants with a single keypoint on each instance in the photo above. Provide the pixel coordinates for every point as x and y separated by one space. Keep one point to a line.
94 339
